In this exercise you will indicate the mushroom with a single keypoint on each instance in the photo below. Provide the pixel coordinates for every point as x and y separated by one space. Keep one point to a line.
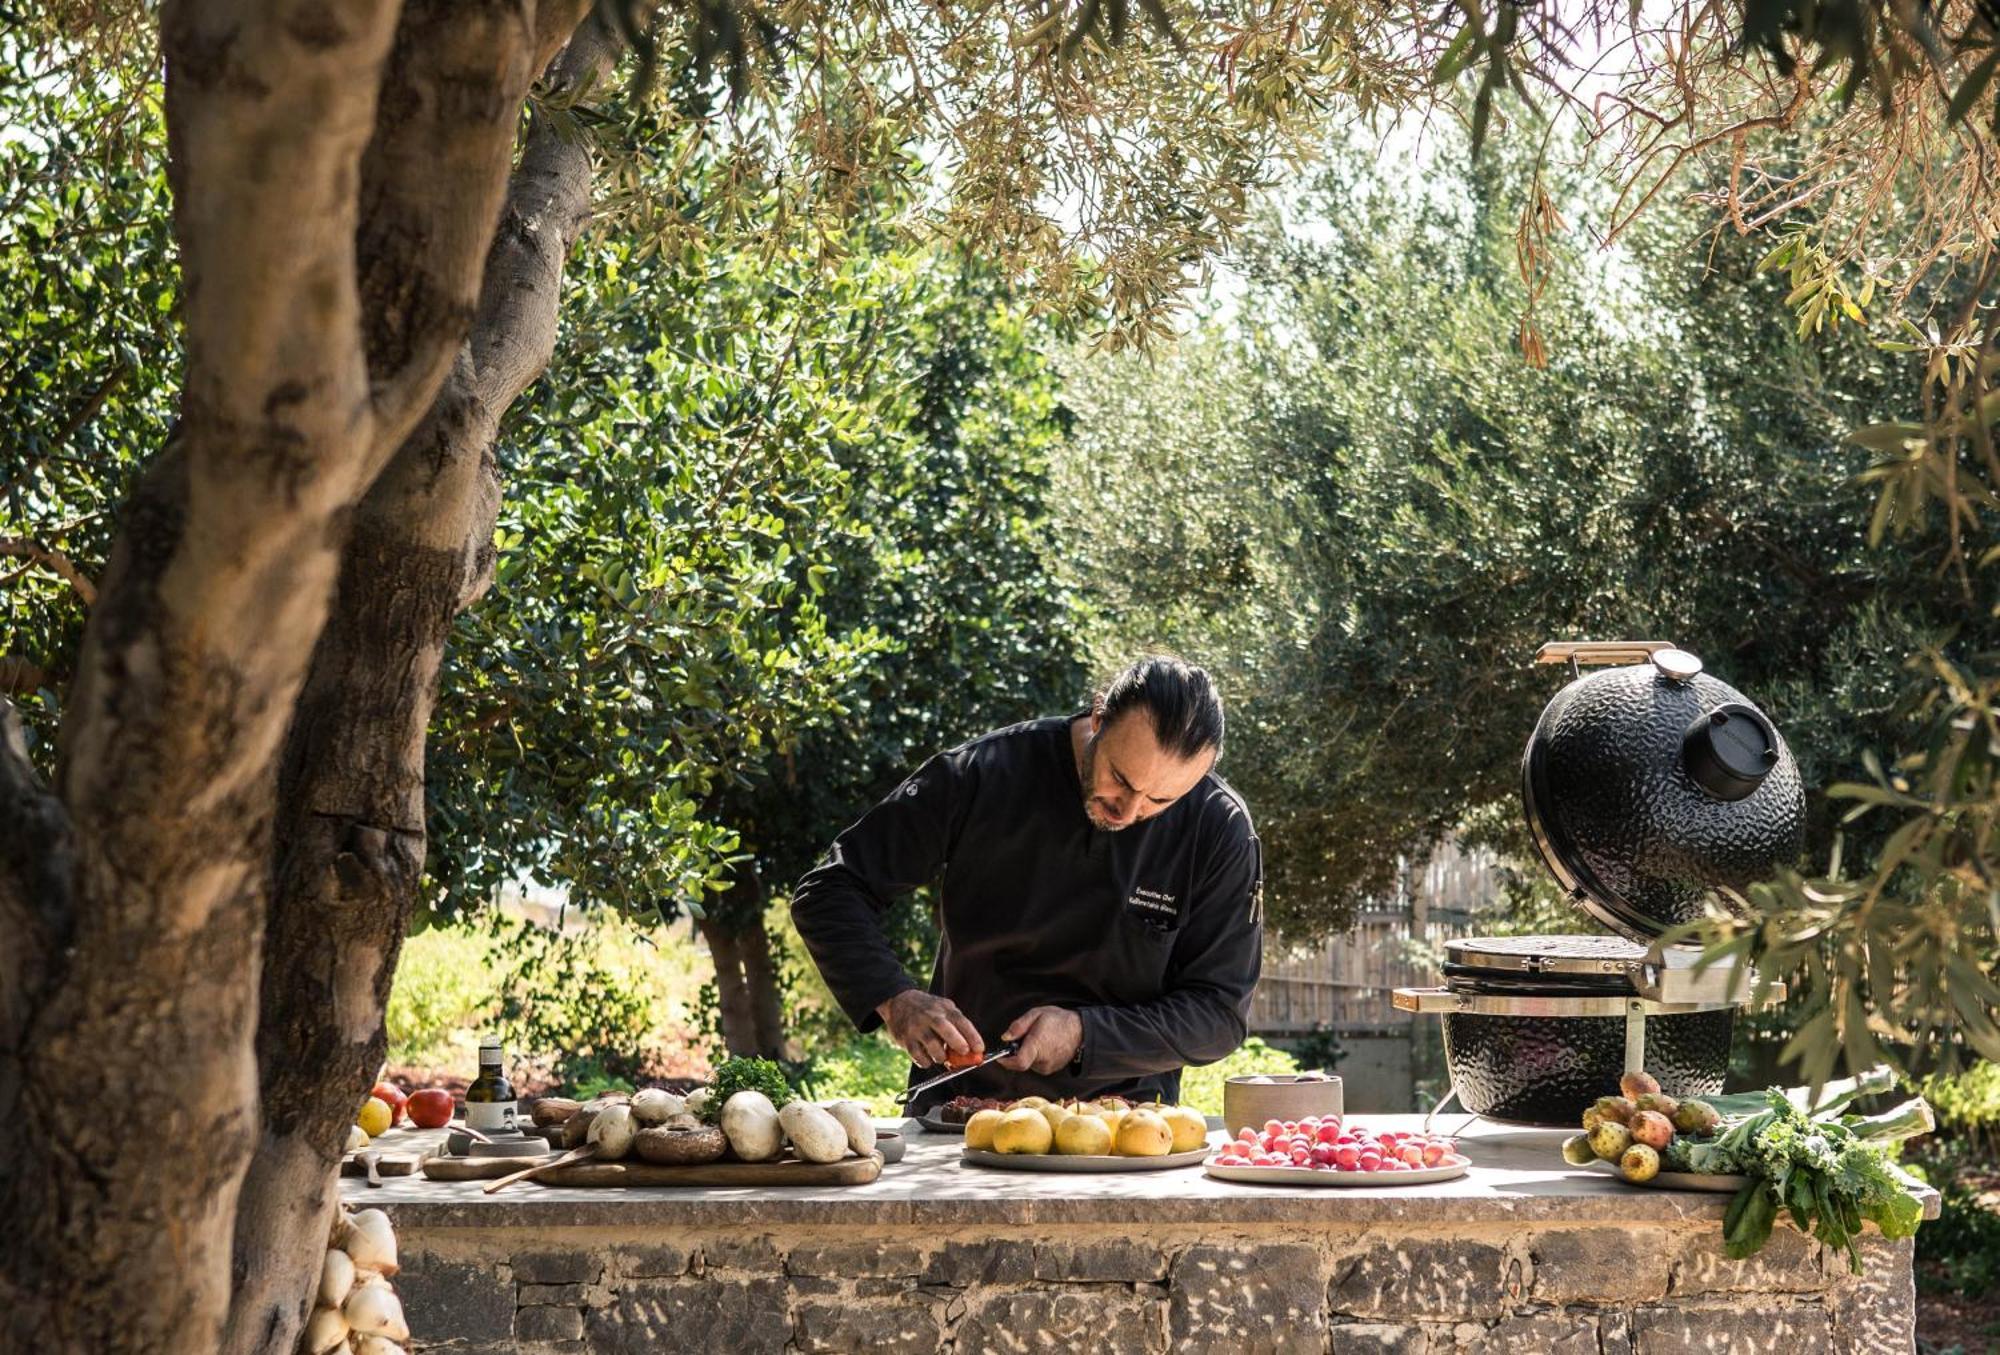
610 1134
654 1106
679 1146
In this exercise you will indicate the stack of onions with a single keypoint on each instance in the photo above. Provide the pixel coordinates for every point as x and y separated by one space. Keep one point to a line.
356 1312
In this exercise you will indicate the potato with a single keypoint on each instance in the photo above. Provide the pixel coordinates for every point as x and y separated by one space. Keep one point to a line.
859 1124
654 1106
550 1110
814 1133
610 1135
750 1123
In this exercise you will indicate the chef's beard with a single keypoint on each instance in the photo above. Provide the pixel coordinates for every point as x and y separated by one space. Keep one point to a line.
1087 774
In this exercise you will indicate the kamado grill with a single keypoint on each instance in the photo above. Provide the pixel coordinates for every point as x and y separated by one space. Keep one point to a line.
1649 786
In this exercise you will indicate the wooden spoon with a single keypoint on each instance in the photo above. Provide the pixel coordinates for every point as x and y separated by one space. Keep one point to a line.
573 1155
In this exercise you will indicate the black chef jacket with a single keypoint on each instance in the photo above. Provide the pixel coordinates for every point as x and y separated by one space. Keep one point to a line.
1153 934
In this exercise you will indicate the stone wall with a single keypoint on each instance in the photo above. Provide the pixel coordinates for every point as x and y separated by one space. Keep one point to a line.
1584 1289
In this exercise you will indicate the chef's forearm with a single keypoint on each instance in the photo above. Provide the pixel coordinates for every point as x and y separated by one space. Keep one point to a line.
1178 1029
842 930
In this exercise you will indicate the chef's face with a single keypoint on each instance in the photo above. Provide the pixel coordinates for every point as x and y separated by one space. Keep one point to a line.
1127 776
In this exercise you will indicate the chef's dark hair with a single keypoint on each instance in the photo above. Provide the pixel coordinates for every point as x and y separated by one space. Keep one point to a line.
1187 713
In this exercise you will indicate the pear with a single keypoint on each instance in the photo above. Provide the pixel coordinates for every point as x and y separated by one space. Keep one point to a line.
1189 1129
1142 1133
1023 1130
979 1129
1083 1135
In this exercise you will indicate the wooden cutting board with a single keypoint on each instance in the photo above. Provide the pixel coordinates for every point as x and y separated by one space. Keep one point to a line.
849 1171
387 1164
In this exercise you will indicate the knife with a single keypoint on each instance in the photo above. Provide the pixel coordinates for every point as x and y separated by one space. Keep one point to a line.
999 1051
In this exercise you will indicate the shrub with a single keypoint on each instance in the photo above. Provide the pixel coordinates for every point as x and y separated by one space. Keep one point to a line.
444 988
1201 1087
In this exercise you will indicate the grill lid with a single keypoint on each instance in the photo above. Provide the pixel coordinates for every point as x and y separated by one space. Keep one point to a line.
1651 785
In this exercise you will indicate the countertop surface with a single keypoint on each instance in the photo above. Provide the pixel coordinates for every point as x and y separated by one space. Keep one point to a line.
1516 1175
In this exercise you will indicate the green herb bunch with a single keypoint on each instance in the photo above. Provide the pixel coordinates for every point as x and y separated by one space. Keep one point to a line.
746 1075
1829 1170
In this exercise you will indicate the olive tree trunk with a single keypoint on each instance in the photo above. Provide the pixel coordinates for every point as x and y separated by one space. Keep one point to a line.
350 833
746 976
338 167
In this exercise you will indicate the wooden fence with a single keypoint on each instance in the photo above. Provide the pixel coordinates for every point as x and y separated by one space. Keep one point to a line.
1344 983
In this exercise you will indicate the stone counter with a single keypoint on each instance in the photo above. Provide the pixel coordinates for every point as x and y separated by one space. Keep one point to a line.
1522 1254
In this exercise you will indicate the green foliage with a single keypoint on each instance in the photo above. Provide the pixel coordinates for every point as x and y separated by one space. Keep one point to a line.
951 566
444 987
746 1075
563 995
866 1068
1967 1103
1366 514
89 353
1959 1250
1202 1087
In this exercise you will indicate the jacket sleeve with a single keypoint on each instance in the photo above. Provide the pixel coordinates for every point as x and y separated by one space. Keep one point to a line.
1203 1014
894 848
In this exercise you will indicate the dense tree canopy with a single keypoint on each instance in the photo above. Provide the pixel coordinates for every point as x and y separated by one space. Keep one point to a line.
1370 522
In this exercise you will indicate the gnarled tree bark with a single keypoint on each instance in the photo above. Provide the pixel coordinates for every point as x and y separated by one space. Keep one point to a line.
350 837
338 167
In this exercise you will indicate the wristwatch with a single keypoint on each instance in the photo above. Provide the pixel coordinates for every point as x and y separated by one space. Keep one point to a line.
1075 1068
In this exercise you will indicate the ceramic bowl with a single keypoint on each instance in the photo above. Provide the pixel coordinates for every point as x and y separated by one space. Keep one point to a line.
1260 1097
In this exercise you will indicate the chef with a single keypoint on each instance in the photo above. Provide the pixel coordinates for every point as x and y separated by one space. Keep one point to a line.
1100 899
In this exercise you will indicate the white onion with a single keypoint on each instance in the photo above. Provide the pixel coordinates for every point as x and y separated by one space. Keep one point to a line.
371 1242
374 1310
325 1330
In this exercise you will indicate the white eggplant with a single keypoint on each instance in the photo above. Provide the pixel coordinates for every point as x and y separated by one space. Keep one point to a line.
859 1124
814 1133
750 1123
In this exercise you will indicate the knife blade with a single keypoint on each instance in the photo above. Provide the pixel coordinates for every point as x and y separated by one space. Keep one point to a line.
999 1051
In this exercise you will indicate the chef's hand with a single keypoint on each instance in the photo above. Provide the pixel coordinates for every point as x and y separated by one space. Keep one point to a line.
929 1027
1049 1037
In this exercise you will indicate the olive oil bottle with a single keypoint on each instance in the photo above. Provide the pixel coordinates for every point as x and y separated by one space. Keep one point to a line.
490 1104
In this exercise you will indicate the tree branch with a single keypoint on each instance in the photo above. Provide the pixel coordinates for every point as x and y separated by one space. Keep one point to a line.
55 562
432 184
